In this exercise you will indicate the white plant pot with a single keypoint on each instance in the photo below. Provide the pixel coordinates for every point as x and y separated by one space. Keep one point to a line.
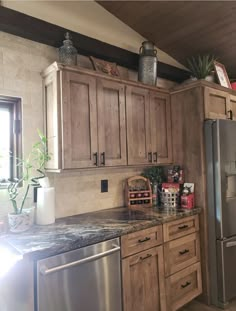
21 222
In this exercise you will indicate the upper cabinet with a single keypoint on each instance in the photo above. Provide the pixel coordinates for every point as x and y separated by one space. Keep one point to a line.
148 126
93 120
219 104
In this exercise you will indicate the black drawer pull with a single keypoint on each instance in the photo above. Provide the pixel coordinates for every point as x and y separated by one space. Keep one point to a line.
184 252
150 157
143 258
183 227
103 159
95 156
186 284
230 112
144 240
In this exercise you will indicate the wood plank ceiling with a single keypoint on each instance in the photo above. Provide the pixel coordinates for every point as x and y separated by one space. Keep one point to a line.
184 28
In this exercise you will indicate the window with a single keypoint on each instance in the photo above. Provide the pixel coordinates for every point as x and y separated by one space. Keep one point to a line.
10 138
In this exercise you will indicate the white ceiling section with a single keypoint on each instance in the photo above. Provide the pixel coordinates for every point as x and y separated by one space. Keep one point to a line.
87 18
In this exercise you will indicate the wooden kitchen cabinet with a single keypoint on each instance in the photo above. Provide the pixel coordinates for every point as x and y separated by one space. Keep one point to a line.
143 281
217 104
79 117
148 126
84 118
111 123
143 271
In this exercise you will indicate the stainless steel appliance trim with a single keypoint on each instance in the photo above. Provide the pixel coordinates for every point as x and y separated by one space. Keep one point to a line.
45 271
208 128
231 244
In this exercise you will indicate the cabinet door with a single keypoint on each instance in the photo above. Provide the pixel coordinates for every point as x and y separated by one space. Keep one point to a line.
232 107
79 120
111 123
217 104
143 281
138 126
160 124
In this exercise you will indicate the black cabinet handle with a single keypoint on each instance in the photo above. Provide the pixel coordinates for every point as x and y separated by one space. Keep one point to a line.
155 157
184 252
103 160
144 240
185 285
150 157
230 112
95 156
183 227
143 258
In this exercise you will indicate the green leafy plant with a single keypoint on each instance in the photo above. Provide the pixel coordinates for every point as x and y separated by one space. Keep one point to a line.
155 174
201 66
34 163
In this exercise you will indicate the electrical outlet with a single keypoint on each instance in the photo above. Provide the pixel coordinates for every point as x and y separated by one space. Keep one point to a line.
104 185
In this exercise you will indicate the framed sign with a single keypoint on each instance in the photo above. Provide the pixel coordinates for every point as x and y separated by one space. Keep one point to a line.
222 75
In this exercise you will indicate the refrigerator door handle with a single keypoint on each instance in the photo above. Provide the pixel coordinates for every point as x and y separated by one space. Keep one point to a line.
231 244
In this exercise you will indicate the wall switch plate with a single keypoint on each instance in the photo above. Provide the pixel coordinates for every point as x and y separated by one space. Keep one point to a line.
104 185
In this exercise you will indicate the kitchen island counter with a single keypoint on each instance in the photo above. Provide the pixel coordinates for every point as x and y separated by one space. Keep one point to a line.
77 231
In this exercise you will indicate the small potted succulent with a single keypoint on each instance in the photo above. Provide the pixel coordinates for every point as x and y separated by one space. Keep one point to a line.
32 168
202 67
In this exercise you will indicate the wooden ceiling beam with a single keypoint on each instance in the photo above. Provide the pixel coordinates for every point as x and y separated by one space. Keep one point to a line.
34 29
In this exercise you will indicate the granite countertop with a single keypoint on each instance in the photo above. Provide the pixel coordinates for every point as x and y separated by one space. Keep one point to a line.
73 232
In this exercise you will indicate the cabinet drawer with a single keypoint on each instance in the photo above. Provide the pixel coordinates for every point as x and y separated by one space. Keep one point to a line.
183 286
181 253
179 228
141 240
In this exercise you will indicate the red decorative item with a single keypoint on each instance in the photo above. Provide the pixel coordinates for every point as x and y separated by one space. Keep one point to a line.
187 201
233 85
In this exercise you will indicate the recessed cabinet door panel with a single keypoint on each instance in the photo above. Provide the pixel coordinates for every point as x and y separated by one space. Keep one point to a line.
111 123
216 104
138 126
79 120
232 107
143 281
160 125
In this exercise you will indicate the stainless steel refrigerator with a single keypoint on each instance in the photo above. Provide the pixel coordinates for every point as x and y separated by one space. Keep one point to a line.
220 140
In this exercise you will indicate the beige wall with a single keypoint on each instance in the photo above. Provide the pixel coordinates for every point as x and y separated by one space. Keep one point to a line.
21 62
88 18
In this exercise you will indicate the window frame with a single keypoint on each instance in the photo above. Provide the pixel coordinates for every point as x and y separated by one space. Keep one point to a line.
13 105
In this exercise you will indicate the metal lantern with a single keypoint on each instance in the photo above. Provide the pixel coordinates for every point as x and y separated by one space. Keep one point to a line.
147 70
67 52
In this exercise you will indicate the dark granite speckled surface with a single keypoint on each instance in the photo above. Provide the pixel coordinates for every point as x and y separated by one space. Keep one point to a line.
77 231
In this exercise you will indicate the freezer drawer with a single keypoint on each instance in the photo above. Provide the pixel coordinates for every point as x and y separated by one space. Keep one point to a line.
87 279
226 259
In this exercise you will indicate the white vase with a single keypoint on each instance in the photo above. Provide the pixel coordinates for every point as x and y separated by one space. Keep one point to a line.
45 213
21 222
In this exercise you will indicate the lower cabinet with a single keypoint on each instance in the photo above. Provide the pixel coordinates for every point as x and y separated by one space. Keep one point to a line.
161 268
143 281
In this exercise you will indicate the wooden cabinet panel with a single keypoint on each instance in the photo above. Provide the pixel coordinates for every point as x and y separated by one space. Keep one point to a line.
111 121
232 106
52 112
179 228
181 253
183 286
139 241
160 125
79 120
143 281
138 125
216 103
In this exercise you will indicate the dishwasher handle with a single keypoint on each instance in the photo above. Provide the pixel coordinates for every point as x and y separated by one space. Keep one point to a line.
45 271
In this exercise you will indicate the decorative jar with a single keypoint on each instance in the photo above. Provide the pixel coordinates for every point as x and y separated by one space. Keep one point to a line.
147 70
67 52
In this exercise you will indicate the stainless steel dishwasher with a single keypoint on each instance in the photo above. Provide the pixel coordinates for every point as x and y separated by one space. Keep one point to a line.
87 279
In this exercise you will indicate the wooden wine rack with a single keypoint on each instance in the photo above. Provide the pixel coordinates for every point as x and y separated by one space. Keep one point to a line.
138 192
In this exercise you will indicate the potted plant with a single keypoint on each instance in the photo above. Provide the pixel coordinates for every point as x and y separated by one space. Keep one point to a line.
32 168
202 67
156 176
